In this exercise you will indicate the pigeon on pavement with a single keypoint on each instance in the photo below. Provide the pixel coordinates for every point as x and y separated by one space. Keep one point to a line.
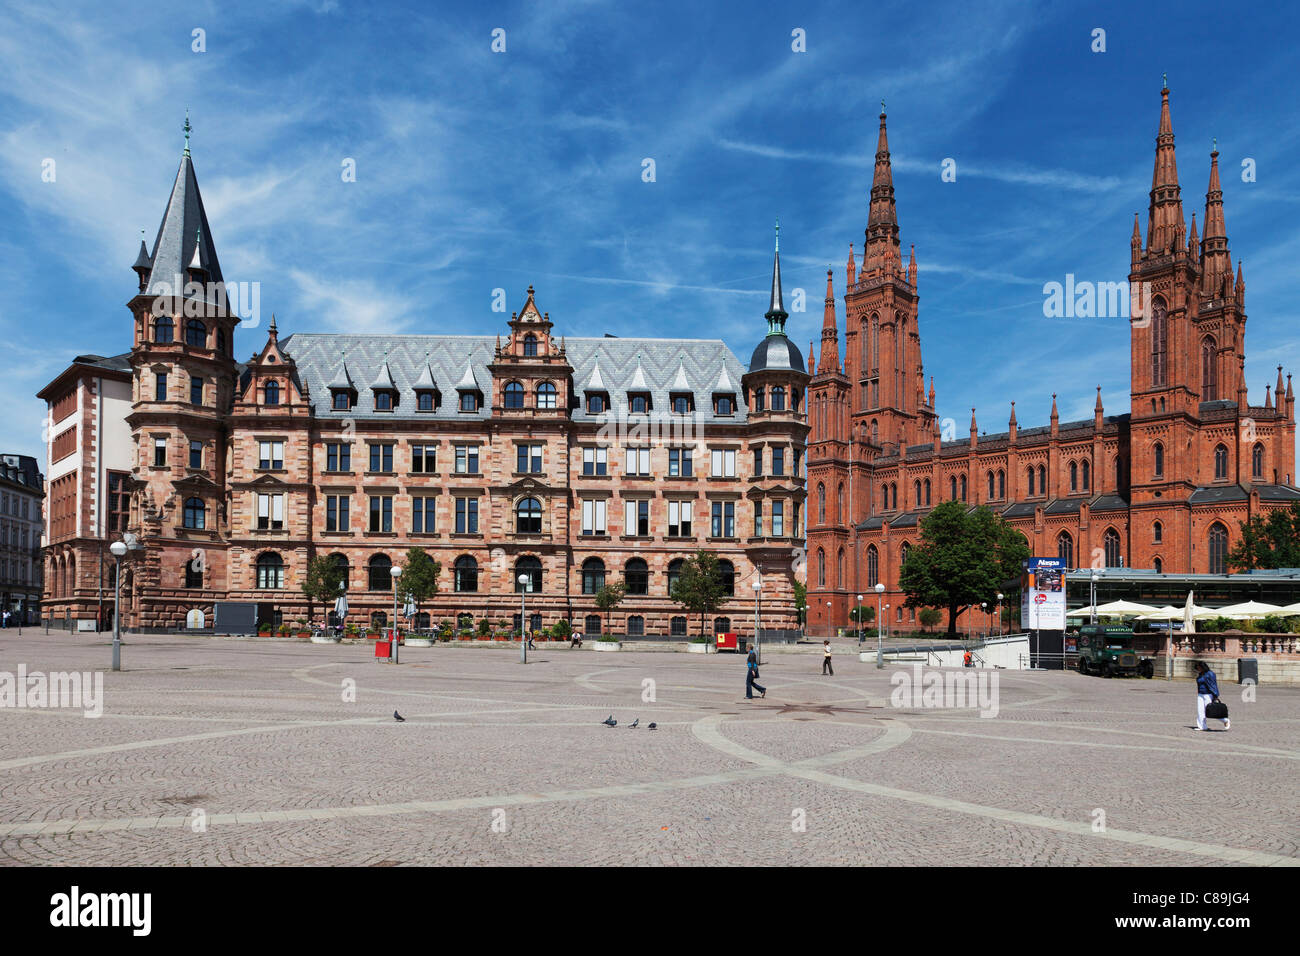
610 721
634 723
398 717
652 726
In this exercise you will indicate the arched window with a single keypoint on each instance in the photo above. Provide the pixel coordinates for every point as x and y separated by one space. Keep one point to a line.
635 625
1065 548
194 573
546 395
873 566
591 625
839 505
722 625
727 575
1110 541
1221 461
1157 532
884 497
196 333
1002 484
991 486
270 571
530 345
962 480
778 398
927 491
636 575
916 492
903 552
530 567
195 513
677 626
759 399
821 568
1159 343
839 569
1218 549
952 487
821 503
162 329
1158 459
875 436
593 575
1257 462
272 393
1209 370
466 574
1157 565
1086 470
1042 480
1029 474
340 562
1074 476
893 496
674 574
379 568
514 395
528 516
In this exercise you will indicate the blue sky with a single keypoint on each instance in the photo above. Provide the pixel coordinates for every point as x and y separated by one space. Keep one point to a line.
477 170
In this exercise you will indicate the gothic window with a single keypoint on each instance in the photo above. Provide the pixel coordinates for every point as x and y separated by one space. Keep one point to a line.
1218 549
916 492
839 569
1002 484
531 568
963 487
1209 371
1065 548
514 395
1157 565
1159 343
380 573
839 505
1030 476
1221 461
1257 462
466 574
270 571
1110 542
530 345
1158 458
821 568
893 496
873 566
821 503
1042 480
1157 533
952 488
1085 470
991 486
927 492
1074 477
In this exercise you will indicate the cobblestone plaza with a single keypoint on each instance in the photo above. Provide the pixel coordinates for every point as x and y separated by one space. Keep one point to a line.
224 752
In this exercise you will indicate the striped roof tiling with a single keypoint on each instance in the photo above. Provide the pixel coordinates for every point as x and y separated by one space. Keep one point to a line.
412 358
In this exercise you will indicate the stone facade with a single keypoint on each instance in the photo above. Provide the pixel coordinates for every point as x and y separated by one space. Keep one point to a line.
1164 485
237 482
22 497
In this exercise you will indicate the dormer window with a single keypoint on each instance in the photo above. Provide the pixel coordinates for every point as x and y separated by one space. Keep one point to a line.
530 347
469 401
597 403
426 400
724 404
514 395
638 403
681 404
341 400
272 393
384 400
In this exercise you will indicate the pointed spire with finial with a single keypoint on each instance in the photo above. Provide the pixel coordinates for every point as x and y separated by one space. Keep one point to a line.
776 314
882 217
1216 261
911 266
187 131
143 264
1240 292
1165 217
1278 390
851 269
271 329
932 391
198 262
1268 396
1098 406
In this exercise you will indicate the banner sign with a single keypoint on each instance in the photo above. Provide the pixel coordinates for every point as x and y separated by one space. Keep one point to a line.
1042 590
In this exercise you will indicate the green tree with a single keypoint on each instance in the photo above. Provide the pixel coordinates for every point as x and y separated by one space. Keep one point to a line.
699 587
419 580
929 617
862 614
322 582
1269 541
609 597
964 557
800 602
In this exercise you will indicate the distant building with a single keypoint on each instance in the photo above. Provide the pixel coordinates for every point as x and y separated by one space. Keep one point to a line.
570 462
1164 485
22 494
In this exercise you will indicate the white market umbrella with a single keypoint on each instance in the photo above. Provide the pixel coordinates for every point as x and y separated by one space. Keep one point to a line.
1189 615
341 606
1124 609
1248 610
1080 612
1291 610
1166 613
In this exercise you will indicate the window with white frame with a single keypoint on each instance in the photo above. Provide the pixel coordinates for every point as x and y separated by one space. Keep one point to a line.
637 462
270 512
337 517
636 518
595 461
270 455
679 519
722 462
593 515
424 510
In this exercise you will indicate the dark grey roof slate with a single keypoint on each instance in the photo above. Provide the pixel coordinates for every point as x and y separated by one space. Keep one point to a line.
1278 493
1020 509
183 222
1205 496
1109 503
778 352
1064 506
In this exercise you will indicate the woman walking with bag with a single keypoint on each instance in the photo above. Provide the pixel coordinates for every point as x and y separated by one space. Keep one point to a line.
1207 698
751 677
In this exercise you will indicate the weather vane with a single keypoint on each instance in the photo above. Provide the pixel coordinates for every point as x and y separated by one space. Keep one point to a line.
187 132
778 235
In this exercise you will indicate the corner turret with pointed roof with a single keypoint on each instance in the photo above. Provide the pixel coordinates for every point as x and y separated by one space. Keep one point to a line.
776 351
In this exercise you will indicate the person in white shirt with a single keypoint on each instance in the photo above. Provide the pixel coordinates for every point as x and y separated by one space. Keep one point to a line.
826 658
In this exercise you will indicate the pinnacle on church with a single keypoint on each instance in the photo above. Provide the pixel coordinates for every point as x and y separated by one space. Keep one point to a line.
1165 216
776 314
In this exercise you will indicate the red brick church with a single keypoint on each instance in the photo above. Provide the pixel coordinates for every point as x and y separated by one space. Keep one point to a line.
1165 485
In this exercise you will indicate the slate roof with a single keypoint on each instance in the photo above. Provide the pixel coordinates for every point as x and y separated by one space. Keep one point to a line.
1205 496
184 224
1278 493
449 358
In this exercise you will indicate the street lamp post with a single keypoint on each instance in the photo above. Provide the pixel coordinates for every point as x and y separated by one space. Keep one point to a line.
880 624
523 619
830 628
858 612
395 572
999 614
984 606
1092 592
119 551
757 585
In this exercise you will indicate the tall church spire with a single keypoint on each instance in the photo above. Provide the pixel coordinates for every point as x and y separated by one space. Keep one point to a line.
1165 217
882 217
1216 262
830 360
